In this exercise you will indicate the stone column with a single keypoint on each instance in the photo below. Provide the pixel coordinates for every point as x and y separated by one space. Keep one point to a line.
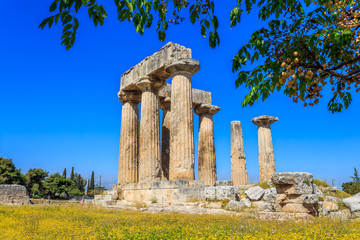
182 158
206 151
239 174
266 151
165 139
149 153
129 137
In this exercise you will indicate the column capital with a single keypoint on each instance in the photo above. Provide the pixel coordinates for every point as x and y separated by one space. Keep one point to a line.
150 83
206 109
187 66
129 96
264 120
165 104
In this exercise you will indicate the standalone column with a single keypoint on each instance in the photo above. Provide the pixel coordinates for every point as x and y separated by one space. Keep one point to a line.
149 153
266 151
206 154
239 174
129 137
182 129
165 139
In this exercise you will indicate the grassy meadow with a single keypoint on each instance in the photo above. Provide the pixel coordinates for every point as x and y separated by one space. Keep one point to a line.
75 221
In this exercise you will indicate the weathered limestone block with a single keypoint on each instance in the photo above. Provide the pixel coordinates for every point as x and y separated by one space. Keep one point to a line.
270 195
165 139
13 194
220 193
235 206
328 207
198 96
206 155
223 183
239 174
182 130
265 206
149 153
266 150
129 137
255 193
155 65
353 199
295 192
293 183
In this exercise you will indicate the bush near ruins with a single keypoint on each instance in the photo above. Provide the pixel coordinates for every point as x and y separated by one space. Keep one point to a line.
9 174
321 183
354 186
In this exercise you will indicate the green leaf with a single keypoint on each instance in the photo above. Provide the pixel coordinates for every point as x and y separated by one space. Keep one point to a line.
203 31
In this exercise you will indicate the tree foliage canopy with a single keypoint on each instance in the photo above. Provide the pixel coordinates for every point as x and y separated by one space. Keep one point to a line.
307 45
35 180
9 174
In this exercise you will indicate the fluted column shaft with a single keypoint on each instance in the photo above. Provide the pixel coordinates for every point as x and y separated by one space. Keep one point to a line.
165 139
129 138
239 173
182 158
149 153
266 150
206 144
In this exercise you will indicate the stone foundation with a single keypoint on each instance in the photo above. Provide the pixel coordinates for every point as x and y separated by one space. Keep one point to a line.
13 194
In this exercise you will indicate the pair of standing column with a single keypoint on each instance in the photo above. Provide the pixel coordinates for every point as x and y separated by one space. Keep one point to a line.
239 174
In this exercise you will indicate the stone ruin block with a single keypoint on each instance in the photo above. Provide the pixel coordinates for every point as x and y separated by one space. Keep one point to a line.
13 194
295 192
154 65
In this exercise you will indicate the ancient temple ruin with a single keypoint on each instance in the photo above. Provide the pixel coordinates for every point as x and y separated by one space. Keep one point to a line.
143 158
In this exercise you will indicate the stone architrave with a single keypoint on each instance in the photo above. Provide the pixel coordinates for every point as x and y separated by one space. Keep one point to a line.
165 138
129 137
206 149
266 151
239 173
182 158
149 150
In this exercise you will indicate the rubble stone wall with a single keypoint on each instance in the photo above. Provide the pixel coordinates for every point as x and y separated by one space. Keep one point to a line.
13 194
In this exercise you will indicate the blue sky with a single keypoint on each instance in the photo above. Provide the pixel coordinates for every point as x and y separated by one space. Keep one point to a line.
60 109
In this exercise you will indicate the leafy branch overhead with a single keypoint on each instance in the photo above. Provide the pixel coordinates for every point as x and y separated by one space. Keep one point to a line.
140 12
307 46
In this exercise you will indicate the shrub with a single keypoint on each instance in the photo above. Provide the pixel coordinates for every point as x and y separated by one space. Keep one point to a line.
321 183
351 187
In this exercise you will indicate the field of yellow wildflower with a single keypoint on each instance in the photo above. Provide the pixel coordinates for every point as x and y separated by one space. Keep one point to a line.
77 221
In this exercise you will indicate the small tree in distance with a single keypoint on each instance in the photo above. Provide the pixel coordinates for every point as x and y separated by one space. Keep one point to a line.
64 173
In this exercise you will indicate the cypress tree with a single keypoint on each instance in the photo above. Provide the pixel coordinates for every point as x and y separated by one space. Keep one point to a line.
72 176
88 186
92 181
64 173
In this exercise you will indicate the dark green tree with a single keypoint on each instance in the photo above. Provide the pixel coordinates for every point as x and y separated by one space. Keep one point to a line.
356 177
9 174
92 181
72 176
35 180
80 182
64 173
88 186
55 185
306 46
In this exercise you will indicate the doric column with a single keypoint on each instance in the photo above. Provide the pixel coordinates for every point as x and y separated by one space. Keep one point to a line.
149 153
129 137
266 150
165 139
182 158
239 174
206 149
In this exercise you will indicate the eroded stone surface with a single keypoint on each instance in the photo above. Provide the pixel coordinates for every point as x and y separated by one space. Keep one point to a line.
255 193
266 151
182 158
239 174
206 148
129 137
13 194
270 195
155 65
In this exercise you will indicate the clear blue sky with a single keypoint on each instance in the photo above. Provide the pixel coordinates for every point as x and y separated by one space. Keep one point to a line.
60 109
